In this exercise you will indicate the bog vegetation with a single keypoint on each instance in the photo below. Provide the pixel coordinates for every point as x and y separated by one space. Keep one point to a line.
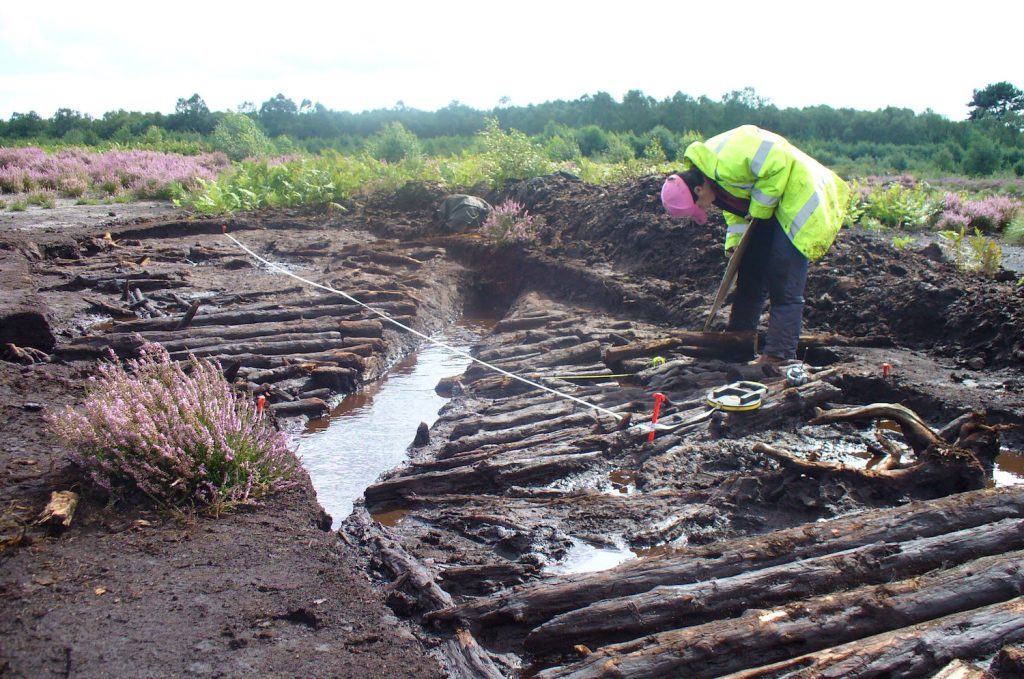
912 171
180 435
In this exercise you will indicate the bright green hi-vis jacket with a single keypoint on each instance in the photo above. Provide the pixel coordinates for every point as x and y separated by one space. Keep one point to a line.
777 178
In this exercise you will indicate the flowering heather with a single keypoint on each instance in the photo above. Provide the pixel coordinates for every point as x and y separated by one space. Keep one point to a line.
181 438
991 213
144 174
510 223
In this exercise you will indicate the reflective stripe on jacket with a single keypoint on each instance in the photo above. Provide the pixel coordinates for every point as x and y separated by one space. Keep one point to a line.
808 199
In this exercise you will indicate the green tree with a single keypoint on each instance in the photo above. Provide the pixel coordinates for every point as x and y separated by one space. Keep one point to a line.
982 157
191 115
393 143
278 114
998 100
238 137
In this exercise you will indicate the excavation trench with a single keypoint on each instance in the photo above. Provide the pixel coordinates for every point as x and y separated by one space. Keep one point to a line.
370 430
530 533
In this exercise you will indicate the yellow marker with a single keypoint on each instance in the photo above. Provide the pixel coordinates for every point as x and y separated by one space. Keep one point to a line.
657 360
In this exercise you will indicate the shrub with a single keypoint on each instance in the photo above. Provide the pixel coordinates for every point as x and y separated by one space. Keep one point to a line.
394 143
179 437
238 136
900 205
982 157
43 199
510 223
1014 233
512 155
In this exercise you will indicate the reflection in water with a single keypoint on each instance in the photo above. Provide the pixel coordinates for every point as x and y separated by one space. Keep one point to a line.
1009 469
369 432
585 558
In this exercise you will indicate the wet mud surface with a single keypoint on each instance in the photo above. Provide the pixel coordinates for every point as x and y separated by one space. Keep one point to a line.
479 557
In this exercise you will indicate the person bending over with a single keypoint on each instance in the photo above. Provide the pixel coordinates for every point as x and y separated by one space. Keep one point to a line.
794 206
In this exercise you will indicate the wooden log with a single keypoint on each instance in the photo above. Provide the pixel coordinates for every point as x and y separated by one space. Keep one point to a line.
247 316
958 669
60 510
940 473
466 659
526 322
677 606
341 358
483 476
186 320
913 651
525 416
303 346
1009 662
516 432
518 349
725 343
535 602
918 434
717 648
569 356
310 407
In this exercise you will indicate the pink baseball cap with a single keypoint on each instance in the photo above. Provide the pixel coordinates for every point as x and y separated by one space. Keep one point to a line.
678 200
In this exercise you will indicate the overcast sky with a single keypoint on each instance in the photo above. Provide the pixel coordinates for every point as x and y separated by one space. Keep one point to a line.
102 56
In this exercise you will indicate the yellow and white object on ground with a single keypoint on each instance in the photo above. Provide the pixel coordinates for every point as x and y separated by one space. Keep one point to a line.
738 396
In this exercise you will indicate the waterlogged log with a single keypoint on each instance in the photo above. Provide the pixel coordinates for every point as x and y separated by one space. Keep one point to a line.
525 416
516 433
521 349
534 603
344 359
913 651
309 407
723 343
717 648
525 322
918 434
247 316
570 356
484 476
682 605
942 472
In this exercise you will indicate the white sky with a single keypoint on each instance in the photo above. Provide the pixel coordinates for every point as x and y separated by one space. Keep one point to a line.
102 56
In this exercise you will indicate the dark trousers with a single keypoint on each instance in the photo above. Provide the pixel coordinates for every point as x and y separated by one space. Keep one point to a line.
771 266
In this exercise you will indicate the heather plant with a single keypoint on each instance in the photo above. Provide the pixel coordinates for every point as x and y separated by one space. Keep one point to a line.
72 172
181 436
990 213
509 223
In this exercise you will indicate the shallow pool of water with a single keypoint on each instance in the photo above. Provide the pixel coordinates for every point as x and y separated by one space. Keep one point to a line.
370 431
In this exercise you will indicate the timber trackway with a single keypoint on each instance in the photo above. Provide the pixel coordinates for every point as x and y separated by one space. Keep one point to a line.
737 544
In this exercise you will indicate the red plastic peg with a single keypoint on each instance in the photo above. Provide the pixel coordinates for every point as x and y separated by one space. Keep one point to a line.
224 227
659 398
260 402
886 369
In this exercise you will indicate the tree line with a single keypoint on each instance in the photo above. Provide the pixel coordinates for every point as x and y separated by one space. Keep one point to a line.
897 139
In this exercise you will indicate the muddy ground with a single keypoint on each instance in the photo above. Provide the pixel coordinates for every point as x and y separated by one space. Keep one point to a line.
513 481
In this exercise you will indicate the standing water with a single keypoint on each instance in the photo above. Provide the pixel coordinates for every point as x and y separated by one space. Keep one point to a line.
369 432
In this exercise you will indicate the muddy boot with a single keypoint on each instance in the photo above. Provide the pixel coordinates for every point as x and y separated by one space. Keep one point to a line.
748 341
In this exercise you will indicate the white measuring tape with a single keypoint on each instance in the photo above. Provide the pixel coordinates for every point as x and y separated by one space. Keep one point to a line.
439 343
